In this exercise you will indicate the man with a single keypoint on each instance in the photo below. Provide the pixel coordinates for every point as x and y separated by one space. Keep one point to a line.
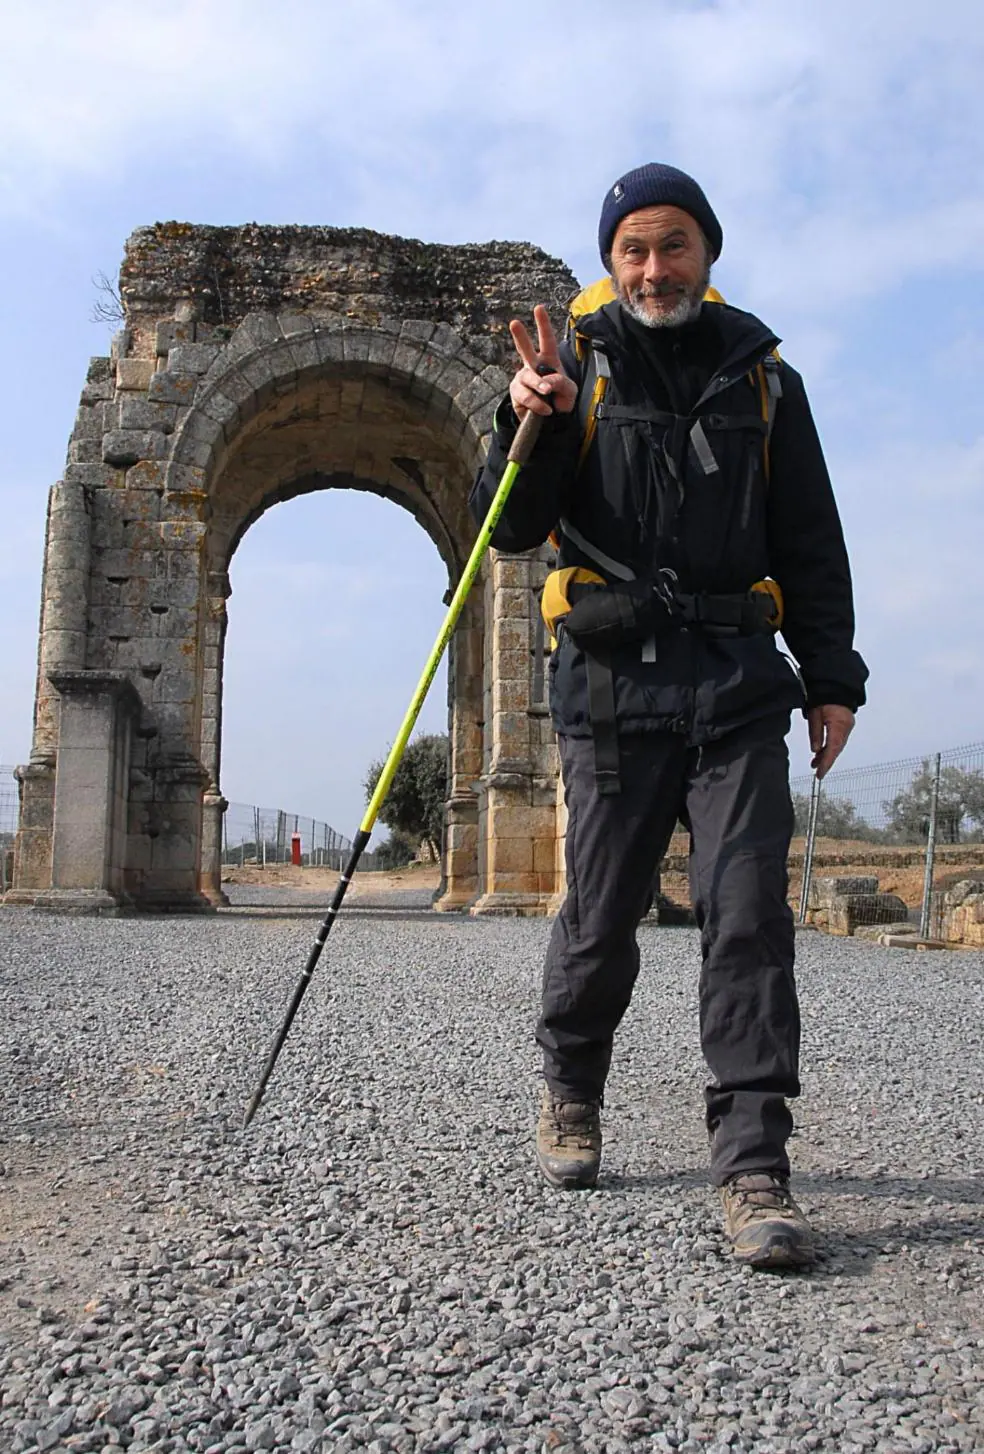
702 477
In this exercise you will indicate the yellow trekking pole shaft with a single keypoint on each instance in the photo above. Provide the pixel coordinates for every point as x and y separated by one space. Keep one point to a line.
519 453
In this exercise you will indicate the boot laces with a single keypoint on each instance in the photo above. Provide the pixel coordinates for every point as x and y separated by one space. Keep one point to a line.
762 1196
574 1123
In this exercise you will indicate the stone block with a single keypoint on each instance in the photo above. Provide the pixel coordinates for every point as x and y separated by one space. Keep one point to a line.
511 855
84 449
486 388
169 387
446 339
405 356
218 407
91 421
146 474
295 324
257 330
824 890
511 573
65 585
177 683
506 881
136 413
186 505
963 913
135 374
184 563
192 358
181 534
510 694
123 447
511 648
134 504
330 345
417 329
101 370
848 911
355 344
304 353
192 449
97 476
513 602
169 332
381 347
182 477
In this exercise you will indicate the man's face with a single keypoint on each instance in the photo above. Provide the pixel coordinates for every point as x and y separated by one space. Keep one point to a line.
660 266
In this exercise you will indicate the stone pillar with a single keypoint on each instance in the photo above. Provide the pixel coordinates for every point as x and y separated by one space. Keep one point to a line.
62 647
513 818
461 881
88 846
166 817
214 805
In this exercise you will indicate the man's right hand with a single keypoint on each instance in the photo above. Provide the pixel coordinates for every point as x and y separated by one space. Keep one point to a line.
539 393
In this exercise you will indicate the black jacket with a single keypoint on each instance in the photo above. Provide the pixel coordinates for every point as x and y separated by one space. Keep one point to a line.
645 499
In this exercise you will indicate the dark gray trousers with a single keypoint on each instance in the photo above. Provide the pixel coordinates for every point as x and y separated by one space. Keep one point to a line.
733 795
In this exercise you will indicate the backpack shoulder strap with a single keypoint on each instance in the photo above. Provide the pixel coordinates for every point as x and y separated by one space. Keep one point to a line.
769 382
597 373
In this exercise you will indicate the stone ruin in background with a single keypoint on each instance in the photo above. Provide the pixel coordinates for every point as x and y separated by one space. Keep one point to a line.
256 364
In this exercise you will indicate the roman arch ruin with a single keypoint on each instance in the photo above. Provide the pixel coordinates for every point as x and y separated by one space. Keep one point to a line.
255 364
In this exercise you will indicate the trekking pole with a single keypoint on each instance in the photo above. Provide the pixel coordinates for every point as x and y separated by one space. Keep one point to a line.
519 453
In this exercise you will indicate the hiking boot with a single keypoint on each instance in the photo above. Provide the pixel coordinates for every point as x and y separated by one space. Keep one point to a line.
568 1141
765 1226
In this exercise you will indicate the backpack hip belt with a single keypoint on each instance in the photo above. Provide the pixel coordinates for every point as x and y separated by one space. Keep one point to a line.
600 617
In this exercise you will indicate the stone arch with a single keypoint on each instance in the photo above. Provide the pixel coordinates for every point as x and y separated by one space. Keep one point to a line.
354 408
258 363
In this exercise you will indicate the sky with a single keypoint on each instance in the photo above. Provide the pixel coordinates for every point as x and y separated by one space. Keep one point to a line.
841 145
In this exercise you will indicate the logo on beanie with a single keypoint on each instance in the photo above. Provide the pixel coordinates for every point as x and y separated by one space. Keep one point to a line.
618 191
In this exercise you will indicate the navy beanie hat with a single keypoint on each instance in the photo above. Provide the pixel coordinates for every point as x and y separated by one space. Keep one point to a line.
656 185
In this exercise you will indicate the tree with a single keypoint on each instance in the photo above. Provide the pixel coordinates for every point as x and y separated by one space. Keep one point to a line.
397 850
961 796
414 804
836 818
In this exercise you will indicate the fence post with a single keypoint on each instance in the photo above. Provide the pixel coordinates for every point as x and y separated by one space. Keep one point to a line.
934 804
811 838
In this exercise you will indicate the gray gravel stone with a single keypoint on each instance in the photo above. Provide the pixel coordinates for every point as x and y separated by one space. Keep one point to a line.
375 1265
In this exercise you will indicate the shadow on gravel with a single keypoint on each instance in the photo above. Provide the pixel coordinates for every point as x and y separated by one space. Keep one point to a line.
965 1190
849 1254
652 1180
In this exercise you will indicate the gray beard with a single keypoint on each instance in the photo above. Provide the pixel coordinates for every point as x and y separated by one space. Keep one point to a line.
685 310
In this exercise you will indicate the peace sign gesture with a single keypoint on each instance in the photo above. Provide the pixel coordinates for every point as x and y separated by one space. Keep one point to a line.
530 390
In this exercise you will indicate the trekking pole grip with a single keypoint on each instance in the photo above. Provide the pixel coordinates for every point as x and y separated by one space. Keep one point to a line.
525 438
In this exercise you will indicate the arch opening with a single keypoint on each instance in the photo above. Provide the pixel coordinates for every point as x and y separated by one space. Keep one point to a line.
310 439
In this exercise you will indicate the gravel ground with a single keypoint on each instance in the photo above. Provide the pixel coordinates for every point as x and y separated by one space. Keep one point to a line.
375 1264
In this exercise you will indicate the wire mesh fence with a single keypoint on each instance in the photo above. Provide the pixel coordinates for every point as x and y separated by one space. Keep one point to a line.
8 823
257 836
915 825
263 837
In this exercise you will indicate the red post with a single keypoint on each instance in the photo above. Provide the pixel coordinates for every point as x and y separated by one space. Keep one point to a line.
295 849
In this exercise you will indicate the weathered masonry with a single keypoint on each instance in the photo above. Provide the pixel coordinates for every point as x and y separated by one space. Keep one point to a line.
255 364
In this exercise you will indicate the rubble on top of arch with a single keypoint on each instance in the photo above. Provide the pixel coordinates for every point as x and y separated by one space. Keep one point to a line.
200 282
